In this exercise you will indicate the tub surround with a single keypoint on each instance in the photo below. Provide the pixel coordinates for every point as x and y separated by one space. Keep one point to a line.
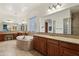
24 38
24 43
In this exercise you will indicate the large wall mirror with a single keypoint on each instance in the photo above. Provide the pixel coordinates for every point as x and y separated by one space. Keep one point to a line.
23 27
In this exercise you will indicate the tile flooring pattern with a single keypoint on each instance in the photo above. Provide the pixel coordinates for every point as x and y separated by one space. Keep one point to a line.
8 48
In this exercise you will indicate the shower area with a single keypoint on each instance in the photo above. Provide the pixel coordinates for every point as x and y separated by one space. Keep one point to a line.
67 26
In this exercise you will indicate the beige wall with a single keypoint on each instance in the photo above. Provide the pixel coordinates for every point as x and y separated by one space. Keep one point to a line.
75 23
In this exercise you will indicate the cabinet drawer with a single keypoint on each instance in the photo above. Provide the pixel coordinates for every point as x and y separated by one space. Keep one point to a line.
52 41
69 52
69 45
35 36
52 48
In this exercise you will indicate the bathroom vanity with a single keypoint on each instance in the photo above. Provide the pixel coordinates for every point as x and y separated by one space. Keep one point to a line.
56 45
10 35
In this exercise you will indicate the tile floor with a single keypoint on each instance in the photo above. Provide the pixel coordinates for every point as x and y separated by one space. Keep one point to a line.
8 48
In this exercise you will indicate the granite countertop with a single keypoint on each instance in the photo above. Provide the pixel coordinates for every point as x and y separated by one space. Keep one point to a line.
65 39
61 35
10 32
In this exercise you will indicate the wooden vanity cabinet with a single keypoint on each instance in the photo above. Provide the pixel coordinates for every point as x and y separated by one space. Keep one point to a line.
39 44
52 47
42 45
36 43
69 49
2 37
14 35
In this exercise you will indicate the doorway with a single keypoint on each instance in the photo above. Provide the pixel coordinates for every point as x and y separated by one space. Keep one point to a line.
46 27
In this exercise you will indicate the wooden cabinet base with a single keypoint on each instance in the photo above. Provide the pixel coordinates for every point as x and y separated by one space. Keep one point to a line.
69 49
2 37
52 47
39 44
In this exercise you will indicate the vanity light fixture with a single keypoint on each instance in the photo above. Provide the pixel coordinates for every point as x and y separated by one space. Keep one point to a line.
9 21
58 5
54 6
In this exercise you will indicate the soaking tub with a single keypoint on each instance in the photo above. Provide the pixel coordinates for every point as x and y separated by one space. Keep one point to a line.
24 42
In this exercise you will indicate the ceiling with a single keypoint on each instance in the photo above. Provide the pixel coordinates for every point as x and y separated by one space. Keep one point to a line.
16 9
42 10
18 6
19 11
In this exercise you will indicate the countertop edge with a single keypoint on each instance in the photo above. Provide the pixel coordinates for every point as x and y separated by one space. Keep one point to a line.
65 39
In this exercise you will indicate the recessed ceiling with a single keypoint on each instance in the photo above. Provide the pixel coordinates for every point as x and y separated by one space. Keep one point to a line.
16 9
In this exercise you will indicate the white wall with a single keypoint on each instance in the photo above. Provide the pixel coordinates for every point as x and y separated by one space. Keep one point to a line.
58 17
42 25
1 26
37 24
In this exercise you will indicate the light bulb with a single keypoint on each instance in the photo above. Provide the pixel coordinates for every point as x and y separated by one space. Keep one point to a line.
49 10
53 8
58 5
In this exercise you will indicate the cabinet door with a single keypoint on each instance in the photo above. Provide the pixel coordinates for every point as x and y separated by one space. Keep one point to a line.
42 45
52 48
14 36
69 52
2 37
36 43
69 49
